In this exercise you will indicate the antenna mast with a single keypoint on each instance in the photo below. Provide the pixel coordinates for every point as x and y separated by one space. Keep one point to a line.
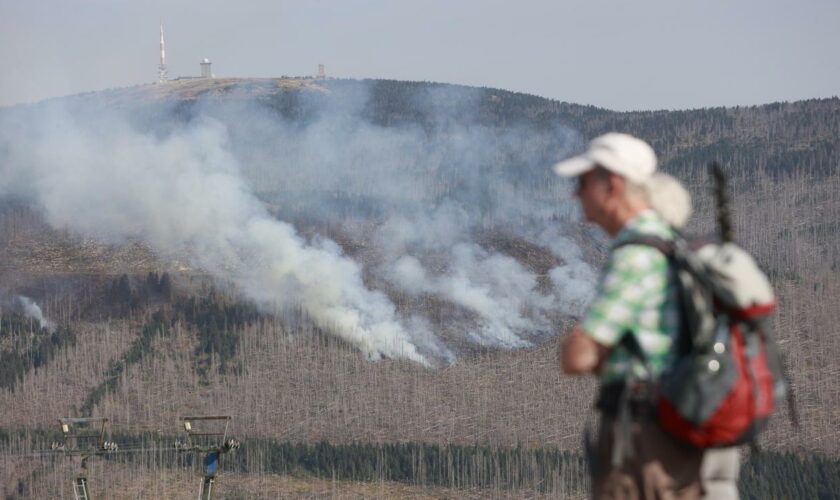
162 66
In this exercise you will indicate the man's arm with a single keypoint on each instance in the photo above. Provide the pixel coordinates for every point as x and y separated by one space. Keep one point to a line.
579 353
631 275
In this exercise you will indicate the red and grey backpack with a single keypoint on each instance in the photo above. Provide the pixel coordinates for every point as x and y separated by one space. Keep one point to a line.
726 378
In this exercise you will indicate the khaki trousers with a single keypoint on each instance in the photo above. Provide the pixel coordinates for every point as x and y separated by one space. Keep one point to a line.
658 468
719 473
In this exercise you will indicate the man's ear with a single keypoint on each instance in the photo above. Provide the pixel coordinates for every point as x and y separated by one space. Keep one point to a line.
615 184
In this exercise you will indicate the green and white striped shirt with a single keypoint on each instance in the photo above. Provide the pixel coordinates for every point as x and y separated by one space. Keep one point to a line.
636 294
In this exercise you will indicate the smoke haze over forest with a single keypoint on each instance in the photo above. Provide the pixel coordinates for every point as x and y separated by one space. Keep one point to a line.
224 183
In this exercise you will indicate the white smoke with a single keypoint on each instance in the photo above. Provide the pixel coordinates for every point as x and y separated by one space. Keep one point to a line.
494 287
574 280
182 193
31 310
190 189
438 188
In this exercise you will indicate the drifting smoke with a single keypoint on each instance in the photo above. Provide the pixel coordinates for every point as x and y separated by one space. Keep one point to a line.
183 193
495 287
200 187
573 280
27 307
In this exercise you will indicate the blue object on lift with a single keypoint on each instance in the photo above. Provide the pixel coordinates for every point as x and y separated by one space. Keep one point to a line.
211 462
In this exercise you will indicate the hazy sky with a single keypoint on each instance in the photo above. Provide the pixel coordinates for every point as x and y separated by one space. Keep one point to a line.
619 54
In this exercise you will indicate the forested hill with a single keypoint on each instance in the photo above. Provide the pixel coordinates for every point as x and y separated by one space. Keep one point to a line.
779 137
775 137
369 277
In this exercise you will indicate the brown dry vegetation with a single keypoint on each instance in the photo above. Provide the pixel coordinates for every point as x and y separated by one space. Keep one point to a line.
194 88
31 249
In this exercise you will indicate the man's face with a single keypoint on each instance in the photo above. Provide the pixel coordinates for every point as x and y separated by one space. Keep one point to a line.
595 193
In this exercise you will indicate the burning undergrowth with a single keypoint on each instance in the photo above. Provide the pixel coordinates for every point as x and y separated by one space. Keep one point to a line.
27 341
427 192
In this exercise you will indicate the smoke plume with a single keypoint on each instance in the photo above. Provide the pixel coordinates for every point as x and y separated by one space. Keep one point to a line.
228 184
25 306
32 310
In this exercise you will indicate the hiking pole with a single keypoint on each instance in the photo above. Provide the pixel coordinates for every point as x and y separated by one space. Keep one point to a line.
727 236
722 202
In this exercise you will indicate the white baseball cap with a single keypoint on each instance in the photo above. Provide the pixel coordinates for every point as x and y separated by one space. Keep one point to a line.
622 154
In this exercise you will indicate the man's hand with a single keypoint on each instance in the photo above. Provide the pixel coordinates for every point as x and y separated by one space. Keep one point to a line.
578 353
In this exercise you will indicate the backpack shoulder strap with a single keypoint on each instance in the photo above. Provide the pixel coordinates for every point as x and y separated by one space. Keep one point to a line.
676 251
661 244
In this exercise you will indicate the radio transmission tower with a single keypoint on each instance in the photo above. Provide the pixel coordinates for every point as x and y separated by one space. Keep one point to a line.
162 65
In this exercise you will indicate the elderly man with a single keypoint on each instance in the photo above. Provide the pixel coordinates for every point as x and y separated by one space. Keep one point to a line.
634 315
